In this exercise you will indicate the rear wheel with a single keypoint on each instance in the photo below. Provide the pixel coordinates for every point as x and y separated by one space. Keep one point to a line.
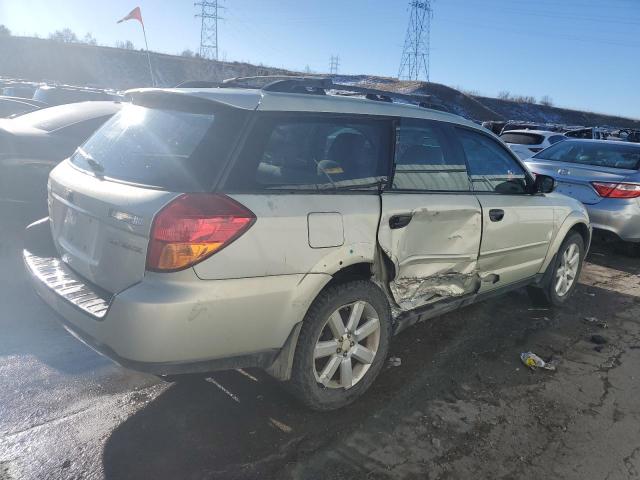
565 272
342 345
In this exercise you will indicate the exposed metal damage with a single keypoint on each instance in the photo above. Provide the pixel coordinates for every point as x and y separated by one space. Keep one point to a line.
413 292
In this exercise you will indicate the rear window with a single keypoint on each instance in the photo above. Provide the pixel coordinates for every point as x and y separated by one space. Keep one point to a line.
167 149
312 152
522 138
603 154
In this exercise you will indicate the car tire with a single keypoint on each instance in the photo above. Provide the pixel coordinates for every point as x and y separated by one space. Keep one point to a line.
320 375
555 292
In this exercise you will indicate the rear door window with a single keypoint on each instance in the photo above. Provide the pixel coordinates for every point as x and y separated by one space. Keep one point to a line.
491 166
426 159
167 149
303 152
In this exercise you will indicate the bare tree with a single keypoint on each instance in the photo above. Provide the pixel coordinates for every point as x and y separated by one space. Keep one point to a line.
66 35
187 53
89 39
523 99
4 31
126 45
546 101
504 95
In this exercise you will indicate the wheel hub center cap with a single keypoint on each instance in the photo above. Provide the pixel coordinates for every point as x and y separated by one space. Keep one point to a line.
345 344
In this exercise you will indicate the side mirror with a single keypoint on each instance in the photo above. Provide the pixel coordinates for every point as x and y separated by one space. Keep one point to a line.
544 184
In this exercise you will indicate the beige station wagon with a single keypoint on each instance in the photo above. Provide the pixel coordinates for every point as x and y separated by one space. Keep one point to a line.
295 227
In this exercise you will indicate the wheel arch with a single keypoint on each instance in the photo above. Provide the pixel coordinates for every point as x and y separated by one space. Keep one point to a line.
281 367
584 232
575 222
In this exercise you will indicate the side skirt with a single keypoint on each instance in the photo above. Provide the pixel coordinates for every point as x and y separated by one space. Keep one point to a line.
427 312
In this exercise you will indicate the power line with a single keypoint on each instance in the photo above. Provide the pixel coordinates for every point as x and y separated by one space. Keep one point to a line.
209 28
414 63
333 66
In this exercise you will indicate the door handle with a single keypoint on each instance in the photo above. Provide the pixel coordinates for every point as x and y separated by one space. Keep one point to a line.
496 214
400 221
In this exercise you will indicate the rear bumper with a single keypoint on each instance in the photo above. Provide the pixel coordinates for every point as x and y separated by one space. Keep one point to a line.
618 216
177 323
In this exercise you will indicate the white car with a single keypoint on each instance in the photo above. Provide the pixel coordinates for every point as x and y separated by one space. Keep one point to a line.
526 143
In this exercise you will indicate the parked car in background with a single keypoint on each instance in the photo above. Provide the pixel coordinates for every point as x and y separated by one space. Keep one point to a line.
19 89
17 106
494 126
62 94
594 133
604 175
516 125
217 228
33 143
526 143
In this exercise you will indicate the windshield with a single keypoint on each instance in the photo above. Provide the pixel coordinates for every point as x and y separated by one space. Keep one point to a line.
602 154
167 149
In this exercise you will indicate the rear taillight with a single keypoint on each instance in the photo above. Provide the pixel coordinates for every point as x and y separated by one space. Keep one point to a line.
193 227
617 190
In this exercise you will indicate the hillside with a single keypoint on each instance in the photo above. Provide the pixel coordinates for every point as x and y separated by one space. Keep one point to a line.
81 64
540 113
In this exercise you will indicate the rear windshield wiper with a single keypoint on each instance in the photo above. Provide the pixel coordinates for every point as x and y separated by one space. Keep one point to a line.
380 184
95 165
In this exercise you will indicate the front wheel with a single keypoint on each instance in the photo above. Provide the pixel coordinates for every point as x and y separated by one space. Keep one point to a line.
342 345
566 270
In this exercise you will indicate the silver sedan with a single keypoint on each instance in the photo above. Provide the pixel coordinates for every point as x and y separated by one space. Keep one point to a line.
603 175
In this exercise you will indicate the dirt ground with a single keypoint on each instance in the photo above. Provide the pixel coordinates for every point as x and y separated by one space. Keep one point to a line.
460 404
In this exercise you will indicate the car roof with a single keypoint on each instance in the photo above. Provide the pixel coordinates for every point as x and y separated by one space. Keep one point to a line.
261 100
536 132
53 118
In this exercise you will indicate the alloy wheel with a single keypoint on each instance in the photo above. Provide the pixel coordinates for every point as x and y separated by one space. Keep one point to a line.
567 270
347 345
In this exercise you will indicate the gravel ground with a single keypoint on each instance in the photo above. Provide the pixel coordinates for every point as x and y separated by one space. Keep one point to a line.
459 405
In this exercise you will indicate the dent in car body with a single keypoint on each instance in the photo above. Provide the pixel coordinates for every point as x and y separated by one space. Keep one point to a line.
436 255
414 292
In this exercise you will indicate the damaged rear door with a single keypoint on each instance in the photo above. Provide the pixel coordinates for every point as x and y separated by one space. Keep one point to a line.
431 222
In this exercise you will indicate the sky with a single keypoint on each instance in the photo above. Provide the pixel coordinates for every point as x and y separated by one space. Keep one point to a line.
581 53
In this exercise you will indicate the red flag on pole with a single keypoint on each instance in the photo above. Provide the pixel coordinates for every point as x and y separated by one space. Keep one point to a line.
134 14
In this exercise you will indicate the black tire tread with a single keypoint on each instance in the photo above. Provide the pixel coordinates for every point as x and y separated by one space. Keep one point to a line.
545 294
302 385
